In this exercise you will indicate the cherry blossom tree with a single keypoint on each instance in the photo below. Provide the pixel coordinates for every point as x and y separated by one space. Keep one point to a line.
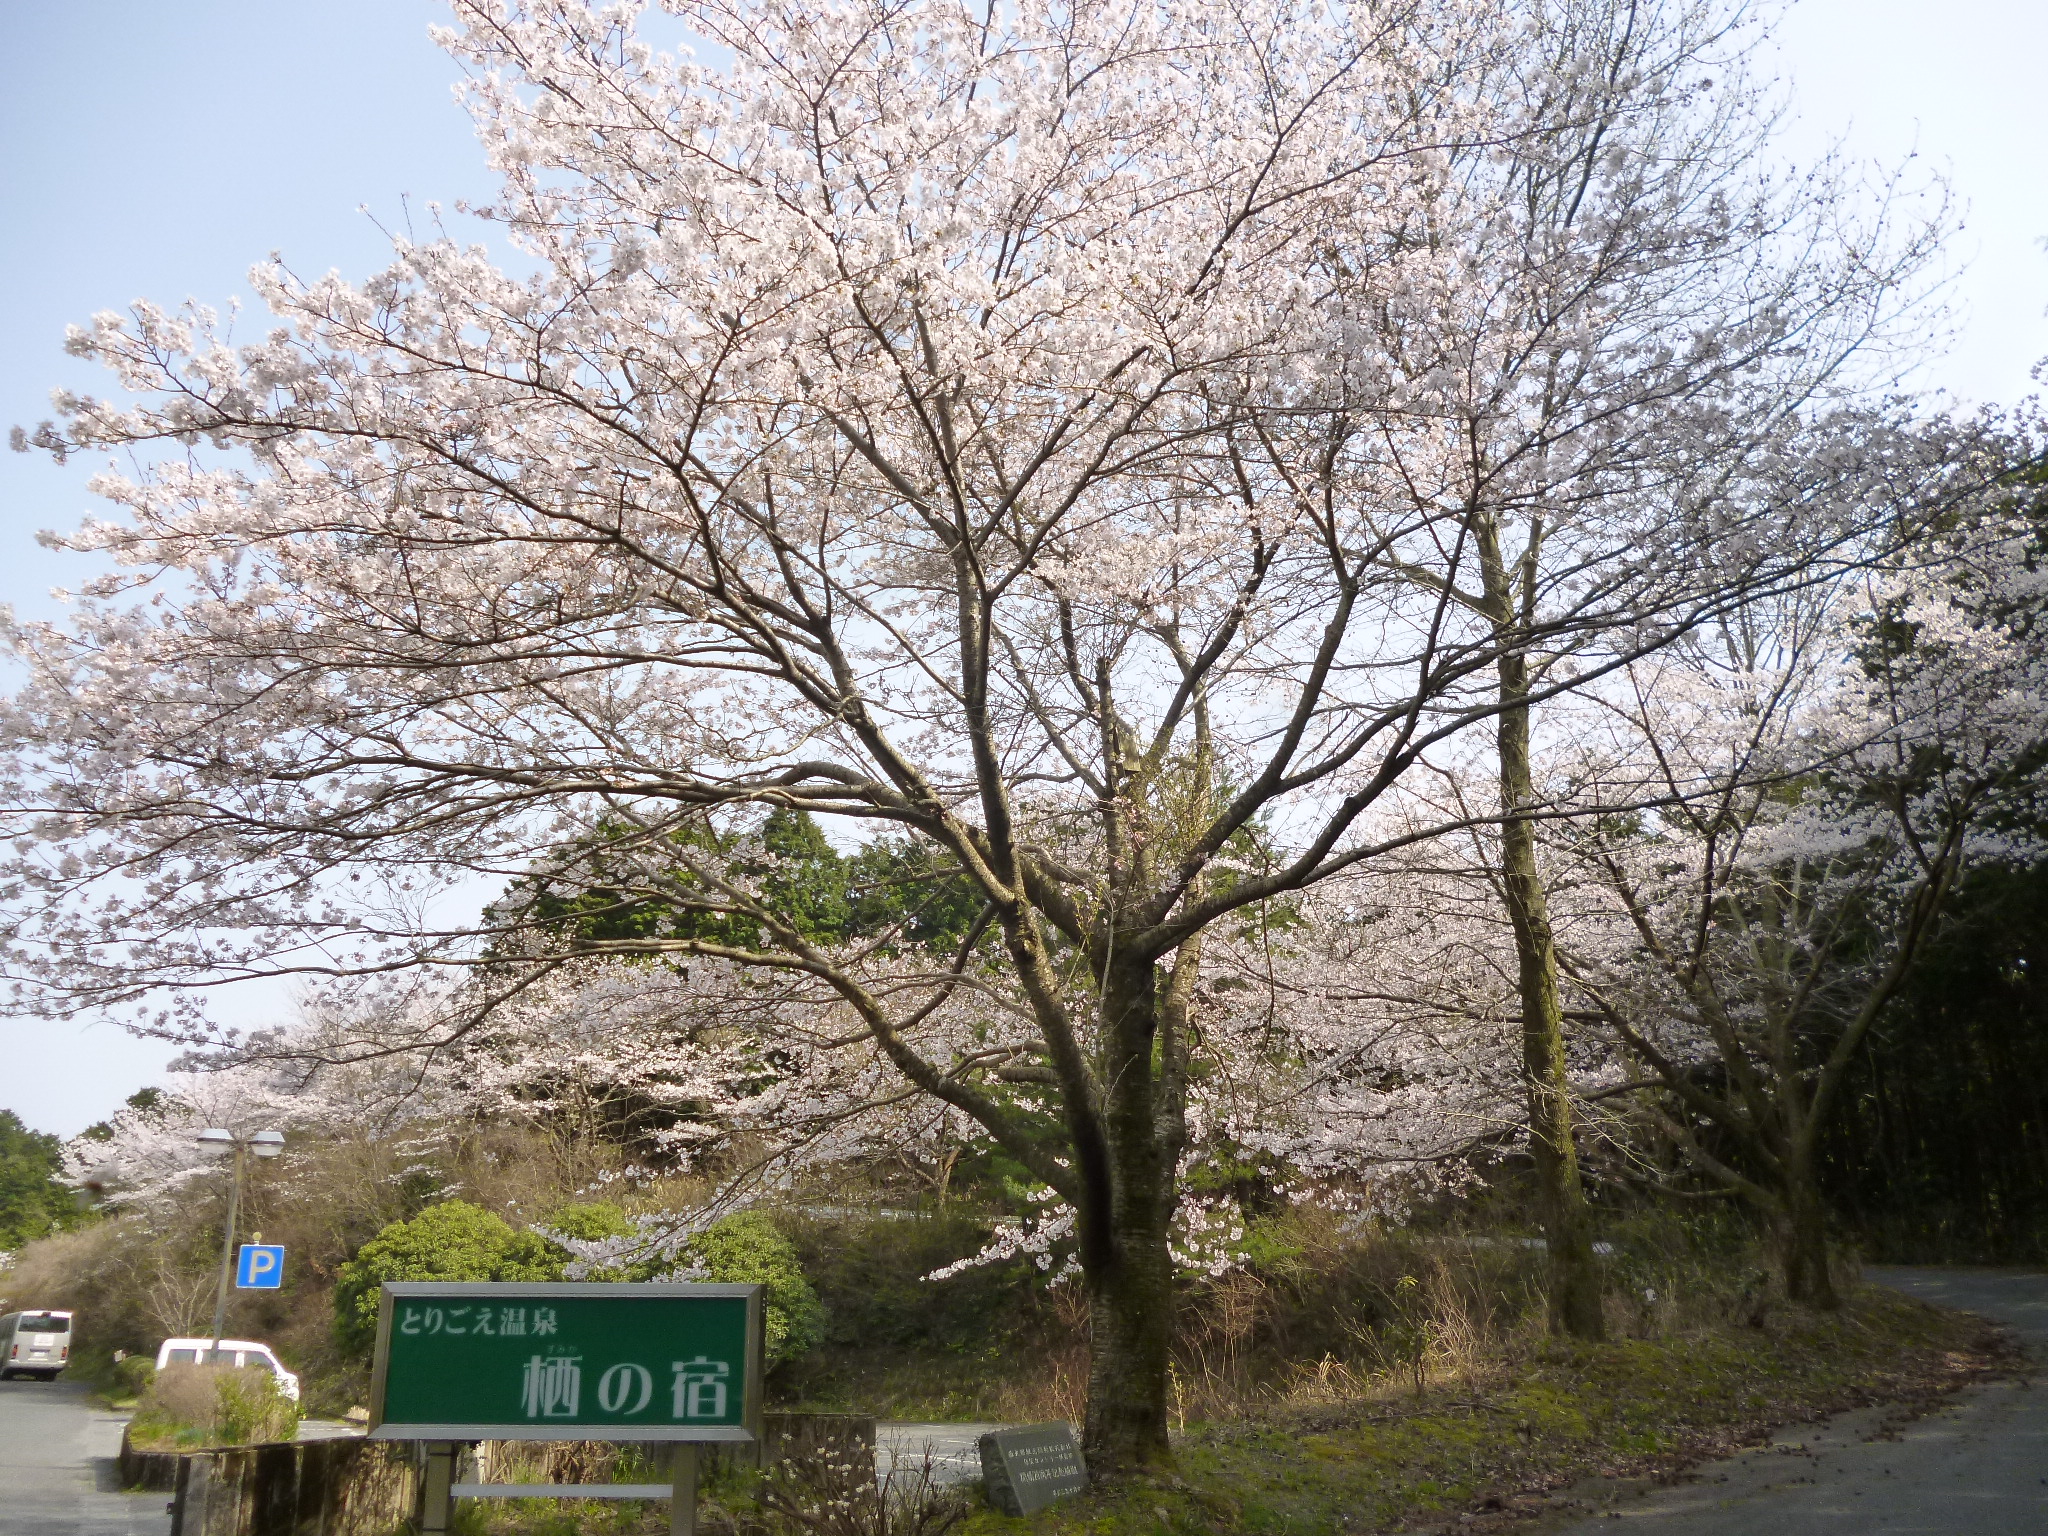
943 424
1832 767
1640 370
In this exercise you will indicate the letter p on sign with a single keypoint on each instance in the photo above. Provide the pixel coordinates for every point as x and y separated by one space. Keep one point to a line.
261 1267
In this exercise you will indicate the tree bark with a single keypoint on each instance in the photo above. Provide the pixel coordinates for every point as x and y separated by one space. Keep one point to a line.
1130 1338
1803 1238
1125 1230
1574 1275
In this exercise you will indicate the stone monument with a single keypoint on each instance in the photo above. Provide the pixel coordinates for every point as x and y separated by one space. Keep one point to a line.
1028 1467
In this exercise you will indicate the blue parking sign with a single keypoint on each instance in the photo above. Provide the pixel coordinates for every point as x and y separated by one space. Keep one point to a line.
261 1267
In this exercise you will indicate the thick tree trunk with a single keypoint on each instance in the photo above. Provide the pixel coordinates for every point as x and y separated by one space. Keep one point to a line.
1803 1239
1130 1339
1574 1275
1125 1227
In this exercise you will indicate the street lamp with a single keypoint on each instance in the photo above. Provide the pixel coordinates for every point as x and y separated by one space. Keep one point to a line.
262 1144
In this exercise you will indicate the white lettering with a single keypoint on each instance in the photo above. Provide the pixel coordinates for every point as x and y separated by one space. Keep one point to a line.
554 1384
621 1382
700 1388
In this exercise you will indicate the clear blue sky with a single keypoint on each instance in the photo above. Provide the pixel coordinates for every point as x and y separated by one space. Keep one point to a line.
153 149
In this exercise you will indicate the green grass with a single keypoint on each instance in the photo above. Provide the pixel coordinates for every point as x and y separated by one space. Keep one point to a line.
1559 1413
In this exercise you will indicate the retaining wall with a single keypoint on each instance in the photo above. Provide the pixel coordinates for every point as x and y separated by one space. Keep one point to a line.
149 1471
300 1488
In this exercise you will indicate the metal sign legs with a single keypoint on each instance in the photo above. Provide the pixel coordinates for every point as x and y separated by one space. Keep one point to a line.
439 1491
437 1508
682 1513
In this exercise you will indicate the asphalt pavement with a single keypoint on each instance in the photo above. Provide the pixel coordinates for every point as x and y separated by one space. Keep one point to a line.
57 1467
902 1447
1976 1467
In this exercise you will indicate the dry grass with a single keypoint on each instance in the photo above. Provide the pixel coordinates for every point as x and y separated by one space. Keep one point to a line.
195 1405
1346 1451
1330 1309
821 1495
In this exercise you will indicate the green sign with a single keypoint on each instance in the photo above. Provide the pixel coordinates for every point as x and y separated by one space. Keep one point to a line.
488 1361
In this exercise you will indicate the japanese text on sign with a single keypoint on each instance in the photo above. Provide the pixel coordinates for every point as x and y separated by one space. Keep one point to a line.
552 1388
480 1322
568 1360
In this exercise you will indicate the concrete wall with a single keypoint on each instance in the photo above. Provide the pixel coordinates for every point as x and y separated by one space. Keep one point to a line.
297 1488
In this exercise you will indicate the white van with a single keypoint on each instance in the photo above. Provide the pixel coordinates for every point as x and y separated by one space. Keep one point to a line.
245 1353
34 1344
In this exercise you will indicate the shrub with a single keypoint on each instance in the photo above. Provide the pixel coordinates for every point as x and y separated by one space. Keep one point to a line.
747 1248
135 1375
870 1275
248 1406
451 1241
591 1222
832 1495
198 1405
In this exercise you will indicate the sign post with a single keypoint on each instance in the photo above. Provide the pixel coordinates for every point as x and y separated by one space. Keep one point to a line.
677 1364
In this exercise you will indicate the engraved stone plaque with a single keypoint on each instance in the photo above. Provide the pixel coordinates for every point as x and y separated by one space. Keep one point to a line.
1028 1467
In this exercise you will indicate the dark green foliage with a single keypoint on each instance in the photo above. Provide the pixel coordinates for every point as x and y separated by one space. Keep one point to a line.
870 1275
894 893
134 1375
450 1241
150 1101
591 1222
889 887
1940 1148
33 1203
747 1248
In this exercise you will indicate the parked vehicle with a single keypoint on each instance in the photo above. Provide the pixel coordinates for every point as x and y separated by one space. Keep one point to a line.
244 1353
34 1344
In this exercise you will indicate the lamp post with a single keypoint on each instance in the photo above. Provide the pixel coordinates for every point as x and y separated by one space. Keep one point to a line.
263 1144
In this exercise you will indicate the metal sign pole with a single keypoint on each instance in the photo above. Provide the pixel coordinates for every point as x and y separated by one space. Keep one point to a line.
227 1260
682 1509
437 1502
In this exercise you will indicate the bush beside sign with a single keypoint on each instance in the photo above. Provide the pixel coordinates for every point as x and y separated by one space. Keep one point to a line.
1028 1467
564 1361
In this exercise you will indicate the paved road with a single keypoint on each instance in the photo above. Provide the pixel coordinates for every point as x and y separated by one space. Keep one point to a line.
1978 1467
955 1449
57 1467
